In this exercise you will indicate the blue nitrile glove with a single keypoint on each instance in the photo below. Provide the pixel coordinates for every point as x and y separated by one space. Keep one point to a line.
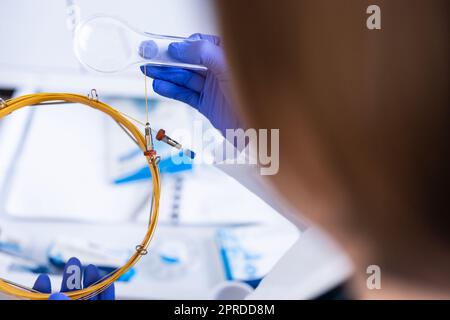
71 281
208 92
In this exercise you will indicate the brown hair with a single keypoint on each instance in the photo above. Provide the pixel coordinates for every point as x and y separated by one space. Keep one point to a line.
363 117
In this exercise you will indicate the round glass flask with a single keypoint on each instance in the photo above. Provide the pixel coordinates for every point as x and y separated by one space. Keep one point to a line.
109 45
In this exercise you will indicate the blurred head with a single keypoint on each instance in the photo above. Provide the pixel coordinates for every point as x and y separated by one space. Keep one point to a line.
363 118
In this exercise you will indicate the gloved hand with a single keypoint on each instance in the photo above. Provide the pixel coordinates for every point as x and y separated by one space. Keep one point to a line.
208 92
71 281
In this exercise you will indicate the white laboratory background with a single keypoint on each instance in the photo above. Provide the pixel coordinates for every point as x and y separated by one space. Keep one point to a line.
60 166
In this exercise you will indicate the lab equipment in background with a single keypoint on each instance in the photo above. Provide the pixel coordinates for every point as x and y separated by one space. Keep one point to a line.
10 245
106 44
247 260
231 290
172 259
15 255
19 264
206 196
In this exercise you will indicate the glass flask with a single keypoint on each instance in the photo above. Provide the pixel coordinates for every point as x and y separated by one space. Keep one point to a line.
107 44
